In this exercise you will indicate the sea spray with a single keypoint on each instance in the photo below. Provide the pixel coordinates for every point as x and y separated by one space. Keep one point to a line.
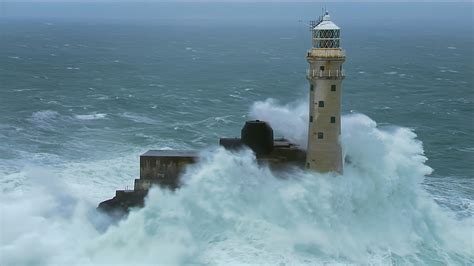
231 210
290 120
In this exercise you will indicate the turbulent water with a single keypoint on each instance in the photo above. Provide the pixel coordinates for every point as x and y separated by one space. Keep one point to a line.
82 96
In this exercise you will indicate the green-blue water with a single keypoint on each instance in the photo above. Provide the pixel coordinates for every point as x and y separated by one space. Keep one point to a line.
86 88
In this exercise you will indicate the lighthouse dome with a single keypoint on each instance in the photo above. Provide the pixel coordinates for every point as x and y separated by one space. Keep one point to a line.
326 24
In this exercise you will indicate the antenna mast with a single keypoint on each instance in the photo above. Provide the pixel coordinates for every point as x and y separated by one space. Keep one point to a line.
314 23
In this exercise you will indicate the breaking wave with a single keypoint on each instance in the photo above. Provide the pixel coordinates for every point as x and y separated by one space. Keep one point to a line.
291 120
44 118
234 211
91 116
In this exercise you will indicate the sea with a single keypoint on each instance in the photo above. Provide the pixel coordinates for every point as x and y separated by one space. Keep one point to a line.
85 88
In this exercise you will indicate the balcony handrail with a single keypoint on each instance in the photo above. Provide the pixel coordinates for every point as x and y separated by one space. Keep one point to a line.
335 73
326 53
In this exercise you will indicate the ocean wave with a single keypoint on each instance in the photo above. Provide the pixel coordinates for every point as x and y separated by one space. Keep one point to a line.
44 115
43 118
232 210
91 116
139 118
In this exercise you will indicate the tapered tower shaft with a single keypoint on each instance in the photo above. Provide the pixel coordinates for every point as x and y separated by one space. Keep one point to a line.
325 75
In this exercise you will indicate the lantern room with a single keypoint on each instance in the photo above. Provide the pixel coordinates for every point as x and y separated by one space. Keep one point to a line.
326 34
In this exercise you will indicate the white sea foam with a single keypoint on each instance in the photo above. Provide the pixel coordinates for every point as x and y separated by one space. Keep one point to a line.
103 97
20 90
236 96
156 85
43 118
234 211
91 116
448 70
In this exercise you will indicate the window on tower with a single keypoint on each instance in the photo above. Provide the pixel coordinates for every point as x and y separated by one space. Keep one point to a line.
321 68
321 104
320 135
311 87
333 87
333 119
310 118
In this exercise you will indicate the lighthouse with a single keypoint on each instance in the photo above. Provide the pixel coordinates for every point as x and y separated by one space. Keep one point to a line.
325 75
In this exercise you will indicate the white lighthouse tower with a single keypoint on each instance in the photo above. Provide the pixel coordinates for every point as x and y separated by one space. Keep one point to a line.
325 75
